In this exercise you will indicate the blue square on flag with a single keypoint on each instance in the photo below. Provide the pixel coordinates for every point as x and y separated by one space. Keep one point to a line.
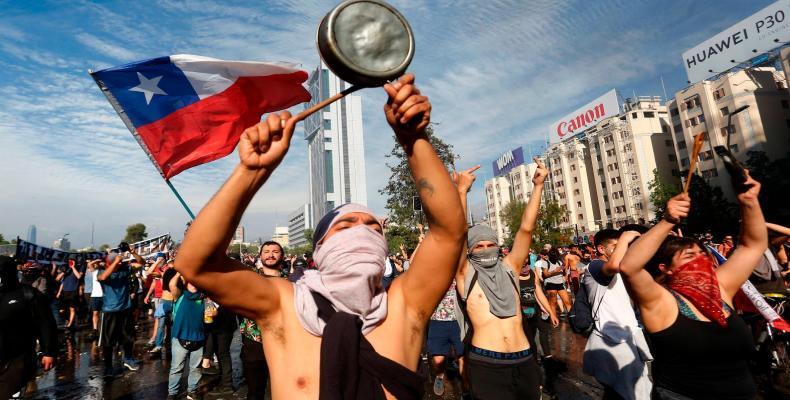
149 90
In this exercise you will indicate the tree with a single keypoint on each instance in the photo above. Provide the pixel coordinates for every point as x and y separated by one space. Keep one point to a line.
308 235
710 211
135 233
2 239
104 247
400 191
547 230
660 192
775 181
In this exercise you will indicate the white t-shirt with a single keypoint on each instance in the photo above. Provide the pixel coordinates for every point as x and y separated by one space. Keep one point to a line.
556 279
97 290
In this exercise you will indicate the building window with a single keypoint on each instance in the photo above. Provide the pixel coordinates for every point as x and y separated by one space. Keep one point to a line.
718 94
675 172
614 196
672 157
668 143
613 181
734 147
710 173
705 155
608 212
684 162
785 104
329 175
573 168
674 112
724 111
634 115
575 179
576 191
701 118
650 114
327 140
327 124
606 198
579 204
682 145
581 216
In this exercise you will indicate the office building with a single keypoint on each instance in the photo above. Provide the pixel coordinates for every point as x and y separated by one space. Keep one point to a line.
571 184
515 184
238 236
281 235
298 221
705 107
336 153
62 244
624 152
31 234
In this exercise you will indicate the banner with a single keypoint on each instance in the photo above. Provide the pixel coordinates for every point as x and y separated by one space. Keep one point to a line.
761 32
508 161
148 248
585 117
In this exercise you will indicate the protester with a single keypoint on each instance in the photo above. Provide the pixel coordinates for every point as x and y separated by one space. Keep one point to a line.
297 269
24 316
444 341
500 362
96 294
726 246
69 278
553 278
307 344
533 307
164 312
154 294
188 337
701 346
571 260
616 353
117 323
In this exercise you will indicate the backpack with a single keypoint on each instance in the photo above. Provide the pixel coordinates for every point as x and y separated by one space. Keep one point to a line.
582 319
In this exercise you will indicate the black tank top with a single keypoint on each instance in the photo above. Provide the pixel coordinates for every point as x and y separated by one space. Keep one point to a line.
527 291
703 360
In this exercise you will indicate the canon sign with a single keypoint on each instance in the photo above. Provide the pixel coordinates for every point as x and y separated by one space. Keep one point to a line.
585 117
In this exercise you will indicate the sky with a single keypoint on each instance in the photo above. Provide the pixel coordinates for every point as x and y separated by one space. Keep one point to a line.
497 72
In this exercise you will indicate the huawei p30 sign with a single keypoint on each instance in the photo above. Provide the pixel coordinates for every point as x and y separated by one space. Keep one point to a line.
763 31
585 117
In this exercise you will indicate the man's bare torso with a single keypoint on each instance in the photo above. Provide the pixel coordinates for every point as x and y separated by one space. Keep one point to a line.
293 354
504 335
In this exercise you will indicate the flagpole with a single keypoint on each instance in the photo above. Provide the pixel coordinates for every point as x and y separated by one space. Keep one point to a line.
178 196
126 121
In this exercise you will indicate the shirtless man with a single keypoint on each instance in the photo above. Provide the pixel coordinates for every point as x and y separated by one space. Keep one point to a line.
396 332
499 362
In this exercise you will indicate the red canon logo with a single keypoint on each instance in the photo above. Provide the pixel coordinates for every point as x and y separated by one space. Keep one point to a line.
581 120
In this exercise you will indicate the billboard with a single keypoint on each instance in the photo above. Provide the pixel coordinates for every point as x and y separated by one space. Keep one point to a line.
759 33
585 117
508 161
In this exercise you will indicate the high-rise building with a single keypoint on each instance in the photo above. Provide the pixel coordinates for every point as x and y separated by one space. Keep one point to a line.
31 234
335 145
281 235
515 184
298 221
238 236
705 107
624 152
62 244
571 184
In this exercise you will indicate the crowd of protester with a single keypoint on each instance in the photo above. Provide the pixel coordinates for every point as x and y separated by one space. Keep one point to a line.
660 310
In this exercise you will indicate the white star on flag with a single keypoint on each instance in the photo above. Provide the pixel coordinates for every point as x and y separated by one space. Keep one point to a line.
148 87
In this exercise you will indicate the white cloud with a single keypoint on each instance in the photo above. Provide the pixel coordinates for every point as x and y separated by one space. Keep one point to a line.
106 48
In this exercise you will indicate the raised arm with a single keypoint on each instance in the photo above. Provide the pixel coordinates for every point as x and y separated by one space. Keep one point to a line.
463 182
173 285
646 291
520 249
201 258
74 270
110 268
426 281
751 246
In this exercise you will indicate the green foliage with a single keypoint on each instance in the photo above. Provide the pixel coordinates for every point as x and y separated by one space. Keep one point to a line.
2 239
660 192
135 233
104 247
308 235
775 179
239 248
400 190
710 211
547 227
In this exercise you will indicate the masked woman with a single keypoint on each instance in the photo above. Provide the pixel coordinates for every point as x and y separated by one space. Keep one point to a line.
700 345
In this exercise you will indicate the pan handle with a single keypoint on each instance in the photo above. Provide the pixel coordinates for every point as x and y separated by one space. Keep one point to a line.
306 113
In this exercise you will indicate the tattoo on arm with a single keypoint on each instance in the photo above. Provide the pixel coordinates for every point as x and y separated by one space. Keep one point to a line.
425 185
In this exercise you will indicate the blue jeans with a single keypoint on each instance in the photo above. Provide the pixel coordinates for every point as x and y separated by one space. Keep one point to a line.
161 329
180 356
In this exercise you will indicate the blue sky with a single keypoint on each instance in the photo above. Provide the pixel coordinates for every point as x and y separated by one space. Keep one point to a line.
498 73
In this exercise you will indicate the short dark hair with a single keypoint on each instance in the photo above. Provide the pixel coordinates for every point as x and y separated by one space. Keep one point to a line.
633 227
605 235
668 249
272 243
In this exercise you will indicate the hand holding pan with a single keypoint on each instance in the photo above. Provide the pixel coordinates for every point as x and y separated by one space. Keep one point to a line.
364 42
698 139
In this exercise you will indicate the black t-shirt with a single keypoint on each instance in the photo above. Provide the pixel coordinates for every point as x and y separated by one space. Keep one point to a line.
526 289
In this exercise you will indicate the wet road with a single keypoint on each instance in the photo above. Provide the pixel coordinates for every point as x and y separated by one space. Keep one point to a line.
78 372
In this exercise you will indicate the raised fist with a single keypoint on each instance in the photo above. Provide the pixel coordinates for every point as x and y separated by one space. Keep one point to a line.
407 111
264 145
678 207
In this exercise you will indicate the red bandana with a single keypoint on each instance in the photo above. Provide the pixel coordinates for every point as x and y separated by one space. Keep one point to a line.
696 280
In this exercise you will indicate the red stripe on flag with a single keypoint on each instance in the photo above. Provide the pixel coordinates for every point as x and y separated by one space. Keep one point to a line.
210 128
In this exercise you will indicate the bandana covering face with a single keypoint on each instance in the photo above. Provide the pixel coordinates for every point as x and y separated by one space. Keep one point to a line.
696 280
350 267
495 279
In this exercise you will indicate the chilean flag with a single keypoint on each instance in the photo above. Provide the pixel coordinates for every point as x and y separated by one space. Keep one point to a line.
187 110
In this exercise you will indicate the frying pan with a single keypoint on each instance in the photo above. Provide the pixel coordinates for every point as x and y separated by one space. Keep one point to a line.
367 43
